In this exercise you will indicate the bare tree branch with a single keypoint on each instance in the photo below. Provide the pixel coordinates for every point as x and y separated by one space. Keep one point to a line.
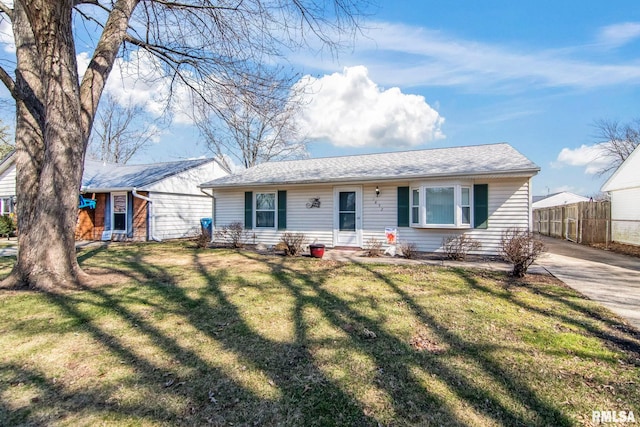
6 10
252 121
120 132
95 77
8 81
616 141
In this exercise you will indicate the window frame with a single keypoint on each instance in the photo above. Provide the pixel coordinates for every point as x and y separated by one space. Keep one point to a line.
415 216
274 193
457 205
7 205
113 212
469 206
426 209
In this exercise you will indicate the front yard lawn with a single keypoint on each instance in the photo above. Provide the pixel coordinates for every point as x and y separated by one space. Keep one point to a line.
179 335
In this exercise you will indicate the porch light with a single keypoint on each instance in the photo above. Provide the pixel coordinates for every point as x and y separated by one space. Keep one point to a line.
377 191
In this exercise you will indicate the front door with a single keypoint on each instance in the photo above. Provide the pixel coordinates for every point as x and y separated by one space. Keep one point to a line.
348 216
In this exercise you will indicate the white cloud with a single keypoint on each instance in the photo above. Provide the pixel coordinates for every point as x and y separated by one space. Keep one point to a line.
349 109
406 55
619 34
139 80
592 157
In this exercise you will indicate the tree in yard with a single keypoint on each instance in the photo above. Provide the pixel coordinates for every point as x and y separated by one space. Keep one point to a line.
119 132
196 43
616 142
252 120
5 141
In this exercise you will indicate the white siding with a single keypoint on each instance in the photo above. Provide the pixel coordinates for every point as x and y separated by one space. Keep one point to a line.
8 182
381 211
315 223
178 215
187 182
508 207
625 216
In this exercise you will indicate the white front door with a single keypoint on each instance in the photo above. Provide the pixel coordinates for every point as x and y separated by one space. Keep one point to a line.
347 216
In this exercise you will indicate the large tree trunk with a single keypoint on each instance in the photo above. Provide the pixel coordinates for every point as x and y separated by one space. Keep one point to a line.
54 116
50 145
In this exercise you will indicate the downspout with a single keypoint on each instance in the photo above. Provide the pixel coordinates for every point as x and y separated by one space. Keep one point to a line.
213 211
152 228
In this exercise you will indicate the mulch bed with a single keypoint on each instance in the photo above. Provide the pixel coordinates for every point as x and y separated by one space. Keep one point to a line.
619 248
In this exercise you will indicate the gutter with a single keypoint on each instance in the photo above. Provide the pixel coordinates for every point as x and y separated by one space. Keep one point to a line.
152 228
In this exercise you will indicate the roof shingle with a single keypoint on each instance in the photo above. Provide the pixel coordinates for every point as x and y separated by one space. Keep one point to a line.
99 175
455 161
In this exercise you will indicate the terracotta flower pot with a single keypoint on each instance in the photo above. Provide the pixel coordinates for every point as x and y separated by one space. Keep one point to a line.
317 250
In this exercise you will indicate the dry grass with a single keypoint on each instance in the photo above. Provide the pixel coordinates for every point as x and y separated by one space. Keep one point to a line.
177 335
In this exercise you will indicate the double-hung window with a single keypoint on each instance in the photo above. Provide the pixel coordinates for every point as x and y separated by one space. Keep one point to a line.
119 203
265 210
465 205
7 205
415 206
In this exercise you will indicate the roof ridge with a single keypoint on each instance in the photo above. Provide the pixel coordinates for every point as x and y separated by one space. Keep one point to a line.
384 153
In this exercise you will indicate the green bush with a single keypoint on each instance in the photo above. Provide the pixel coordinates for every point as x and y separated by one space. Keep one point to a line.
7 226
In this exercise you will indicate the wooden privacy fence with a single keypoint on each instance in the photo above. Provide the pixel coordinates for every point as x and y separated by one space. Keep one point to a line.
584 222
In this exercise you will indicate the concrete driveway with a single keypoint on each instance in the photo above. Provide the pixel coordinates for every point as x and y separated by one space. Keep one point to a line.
608 278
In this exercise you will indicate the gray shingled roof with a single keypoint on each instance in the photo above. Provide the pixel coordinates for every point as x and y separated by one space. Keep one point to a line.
455 161
98 175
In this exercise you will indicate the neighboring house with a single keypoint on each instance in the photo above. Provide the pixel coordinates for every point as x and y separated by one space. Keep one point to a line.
424 196
7 185
138 202
145 202
624 188
557 199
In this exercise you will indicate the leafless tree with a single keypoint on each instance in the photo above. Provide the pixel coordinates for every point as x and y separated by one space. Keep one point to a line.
6 145
55 109
119 132
253 120
616 141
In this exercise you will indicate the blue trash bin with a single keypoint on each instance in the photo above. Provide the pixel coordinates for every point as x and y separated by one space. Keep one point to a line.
206 224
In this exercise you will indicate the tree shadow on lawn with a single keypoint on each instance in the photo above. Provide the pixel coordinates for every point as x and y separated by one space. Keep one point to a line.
213 392
398 361
217 367
592 320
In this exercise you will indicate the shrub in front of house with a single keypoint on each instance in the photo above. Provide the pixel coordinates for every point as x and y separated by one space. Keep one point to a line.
292 243
232 234
7 225
203 239
458 247
373 247
408 250
520 248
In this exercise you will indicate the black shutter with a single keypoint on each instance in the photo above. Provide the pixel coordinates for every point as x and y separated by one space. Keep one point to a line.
403 207
481 205
248 210
282 210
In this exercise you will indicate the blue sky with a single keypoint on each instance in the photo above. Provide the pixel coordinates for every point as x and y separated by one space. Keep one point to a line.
430 74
